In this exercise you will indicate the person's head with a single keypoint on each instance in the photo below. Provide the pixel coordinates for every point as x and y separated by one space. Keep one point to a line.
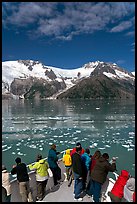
78 144
97 154
68 151
39 157
105 156
78 149
18 160
53 146
3 167
87 151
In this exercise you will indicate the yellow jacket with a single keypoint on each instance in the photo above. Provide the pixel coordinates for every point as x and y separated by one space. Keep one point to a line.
41 167
67 158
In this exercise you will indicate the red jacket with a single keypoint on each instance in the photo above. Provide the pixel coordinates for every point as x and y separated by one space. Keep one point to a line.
118 187
134 197
74 150
93 162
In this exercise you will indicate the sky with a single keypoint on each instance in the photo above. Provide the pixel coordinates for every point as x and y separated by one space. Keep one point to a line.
69 34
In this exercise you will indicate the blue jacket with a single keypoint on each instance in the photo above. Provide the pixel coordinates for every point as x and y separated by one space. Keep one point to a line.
86 160
52 158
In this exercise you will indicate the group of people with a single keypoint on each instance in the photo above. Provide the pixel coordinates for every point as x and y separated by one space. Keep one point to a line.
44 170
88 171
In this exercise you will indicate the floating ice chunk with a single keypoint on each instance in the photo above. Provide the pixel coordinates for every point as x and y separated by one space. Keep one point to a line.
132 145
4 146
93 145
131 137
19 153
131 133
127 146
107 146
78 131
72 142
41 148
18 144
13 153
129 149
101 148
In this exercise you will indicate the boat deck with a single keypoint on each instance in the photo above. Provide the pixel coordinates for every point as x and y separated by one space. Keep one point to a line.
63 193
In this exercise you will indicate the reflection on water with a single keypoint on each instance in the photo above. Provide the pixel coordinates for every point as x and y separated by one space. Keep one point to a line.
29 127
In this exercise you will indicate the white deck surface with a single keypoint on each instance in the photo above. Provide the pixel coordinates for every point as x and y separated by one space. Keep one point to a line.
63 193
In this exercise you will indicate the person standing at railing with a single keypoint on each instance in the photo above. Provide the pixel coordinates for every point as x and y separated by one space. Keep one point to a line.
86 164
129 189
99 175
23 179
78 144
77 165
67 160
117 192
41 167
53 165
6 183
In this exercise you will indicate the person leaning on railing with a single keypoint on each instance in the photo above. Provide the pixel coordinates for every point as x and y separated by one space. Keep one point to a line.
23 179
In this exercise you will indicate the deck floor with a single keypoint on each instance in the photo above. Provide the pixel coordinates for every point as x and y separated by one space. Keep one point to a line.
66 196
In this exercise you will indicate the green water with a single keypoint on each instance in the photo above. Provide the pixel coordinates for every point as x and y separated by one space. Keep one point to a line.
29 127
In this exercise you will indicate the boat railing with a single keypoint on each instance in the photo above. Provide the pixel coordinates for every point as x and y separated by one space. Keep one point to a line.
32 171
61 153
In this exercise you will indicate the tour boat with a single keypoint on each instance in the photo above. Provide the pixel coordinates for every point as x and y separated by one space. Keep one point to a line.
61 192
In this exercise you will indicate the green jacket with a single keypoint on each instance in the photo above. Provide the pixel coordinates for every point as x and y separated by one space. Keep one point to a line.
41 167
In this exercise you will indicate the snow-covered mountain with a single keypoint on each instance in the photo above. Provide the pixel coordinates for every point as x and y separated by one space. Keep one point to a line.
19 76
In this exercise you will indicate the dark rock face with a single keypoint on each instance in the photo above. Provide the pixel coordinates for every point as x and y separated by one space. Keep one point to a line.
21 86
99 88
105 67
43 89
50 74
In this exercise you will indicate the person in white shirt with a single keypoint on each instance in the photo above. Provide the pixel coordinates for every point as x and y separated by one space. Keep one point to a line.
129 189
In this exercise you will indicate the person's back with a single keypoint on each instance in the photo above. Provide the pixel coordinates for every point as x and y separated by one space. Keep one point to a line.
78 173
96 156
117 192
86 158
52 161
21 171
52 157
101 169
129 189
41 168
23 178
67 160
99 175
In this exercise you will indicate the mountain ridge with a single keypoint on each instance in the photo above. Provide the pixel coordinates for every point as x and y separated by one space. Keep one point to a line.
28 78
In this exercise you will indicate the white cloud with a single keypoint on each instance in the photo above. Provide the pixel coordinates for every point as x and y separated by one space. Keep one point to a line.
122 26
64 20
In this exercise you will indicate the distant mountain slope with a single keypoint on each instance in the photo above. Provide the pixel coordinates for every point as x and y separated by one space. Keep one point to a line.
32 79
99 87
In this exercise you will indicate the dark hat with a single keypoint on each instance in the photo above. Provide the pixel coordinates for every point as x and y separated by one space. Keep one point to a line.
87 150
78 144
18 160
39 157
3 167
105 155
